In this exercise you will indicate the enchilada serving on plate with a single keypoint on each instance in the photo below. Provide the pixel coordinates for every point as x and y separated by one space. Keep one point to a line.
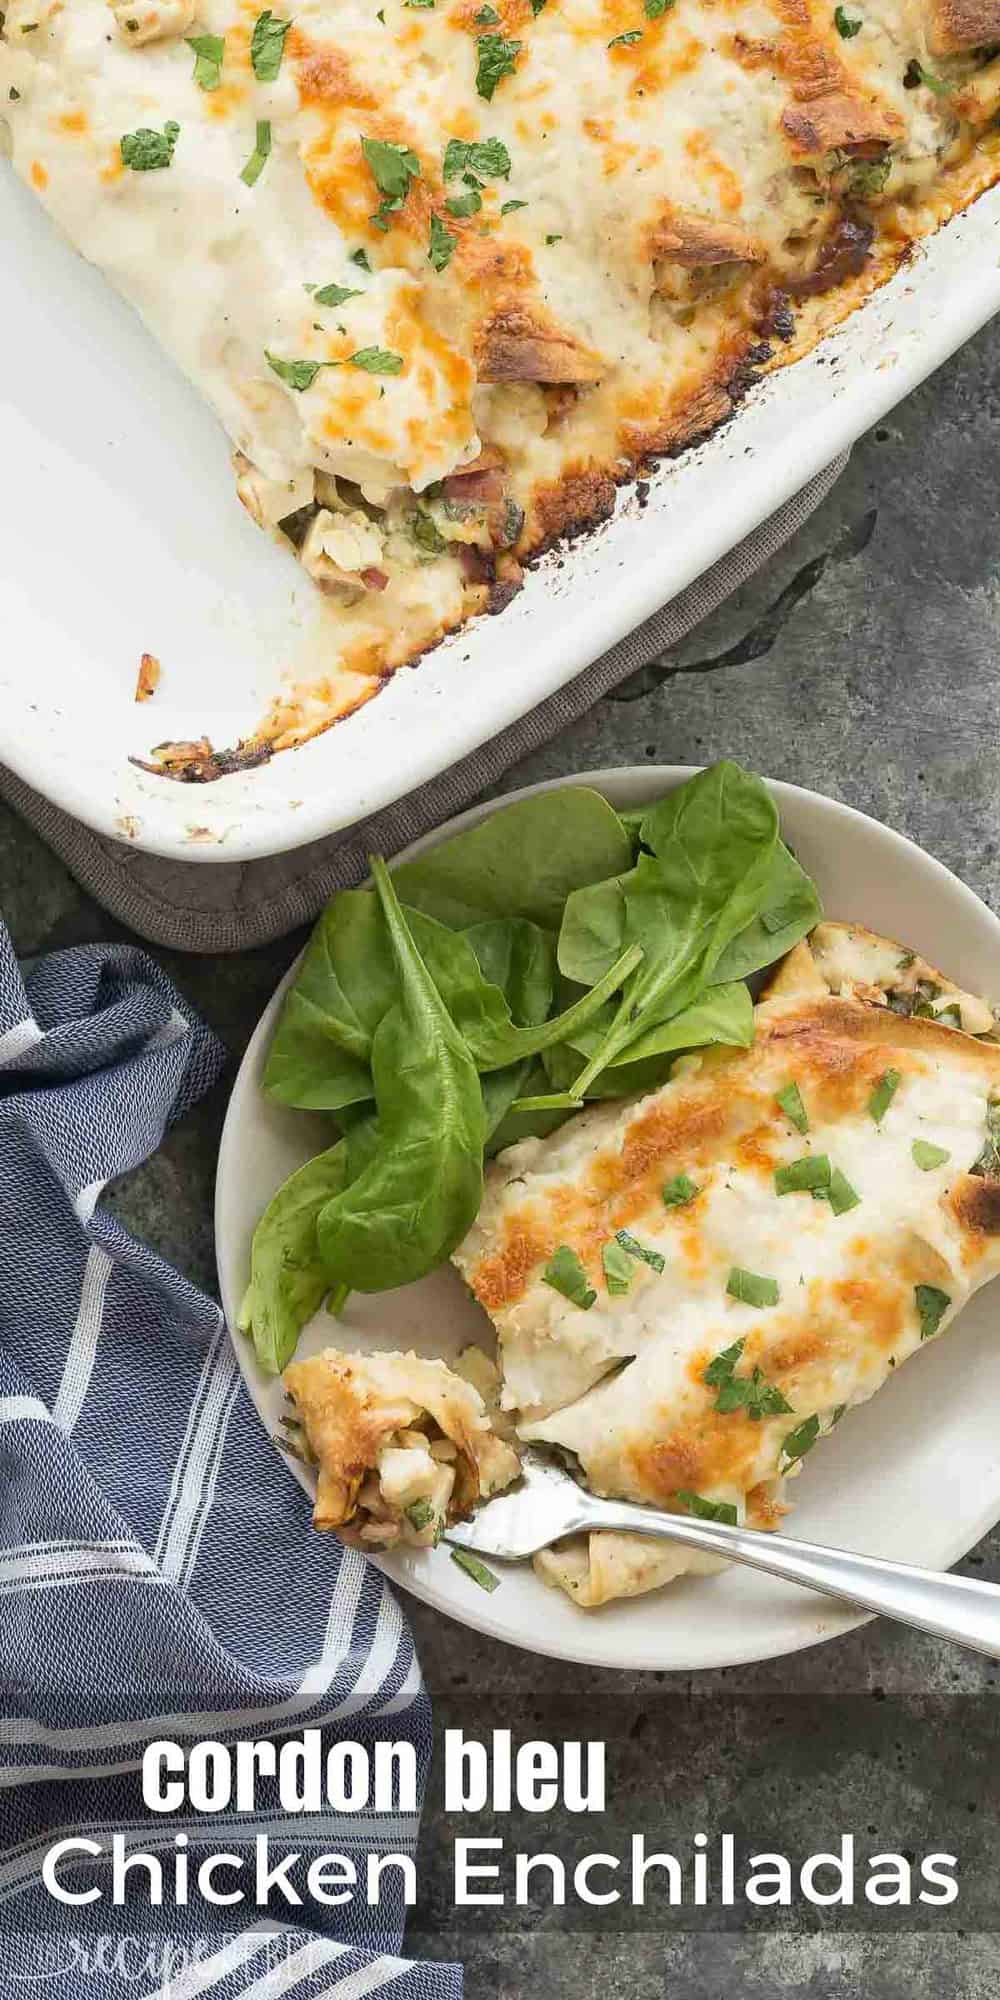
712 1164
448 272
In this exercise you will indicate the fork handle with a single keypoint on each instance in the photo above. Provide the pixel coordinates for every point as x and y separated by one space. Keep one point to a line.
951 1607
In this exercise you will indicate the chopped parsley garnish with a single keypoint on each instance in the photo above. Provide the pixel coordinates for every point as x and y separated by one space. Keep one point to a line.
426 533
376 361
988 1163
915 73
708 1510
801 1440
618 1268
752 1393
840 1194
497 59
639 1250
420 1513
751 1289
927 1157
298 375
335 295
932 1304
845 26
393 168
488 158
476 1569
790 1101
209 51
678 1192
509 207
360 258
868 178
655 9
553 239
255 164
465 204
565 1273
883 1094
537 6
803 1176
626 41
145 150
418 3
487 17
441 244
267 46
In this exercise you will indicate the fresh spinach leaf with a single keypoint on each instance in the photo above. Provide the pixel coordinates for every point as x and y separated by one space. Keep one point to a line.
790 910
288 1279
722 1014
520 862
421 1187
713 842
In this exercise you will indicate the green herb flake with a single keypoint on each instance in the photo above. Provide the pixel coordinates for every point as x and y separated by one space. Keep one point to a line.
441 243
932 1304
790 1101
487 17
537 7
927 1157
915 73
845 26
377 361
708 1510
393 169
626 41
565 1273
497 58
840 1194
261 152
751 1289
801 1440
803 1176
476 1569
267 46
360 258
678 1191
655 9
883 1094
145 150
419 3
209 51
619 1269
720 1370
420 1513
488 158
335 295
639 1250
752 1393
464 204
426 533
297 375
508 207
553 239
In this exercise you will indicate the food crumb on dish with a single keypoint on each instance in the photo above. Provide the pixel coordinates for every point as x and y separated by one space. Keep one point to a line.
148 678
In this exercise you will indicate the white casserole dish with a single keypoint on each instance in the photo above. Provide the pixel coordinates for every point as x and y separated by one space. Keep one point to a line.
122 535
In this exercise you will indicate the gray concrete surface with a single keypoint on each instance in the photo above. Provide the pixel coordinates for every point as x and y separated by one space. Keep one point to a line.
863 663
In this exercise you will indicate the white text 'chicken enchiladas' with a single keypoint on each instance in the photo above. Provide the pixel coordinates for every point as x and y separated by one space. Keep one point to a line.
449 271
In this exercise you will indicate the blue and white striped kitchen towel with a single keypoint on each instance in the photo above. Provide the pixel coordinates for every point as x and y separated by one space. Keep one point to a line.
158 1576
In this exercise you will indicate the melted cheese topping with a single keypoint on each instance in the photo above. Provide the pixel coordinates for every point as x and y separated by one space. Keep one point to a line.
673 180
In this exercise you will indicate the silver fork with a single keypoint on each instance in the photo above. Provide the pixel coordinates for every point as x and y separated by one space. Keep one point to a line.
547 1505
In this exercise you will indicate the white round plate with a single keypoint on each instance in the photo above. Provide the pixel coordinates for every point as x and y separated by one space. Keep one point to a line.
913 1475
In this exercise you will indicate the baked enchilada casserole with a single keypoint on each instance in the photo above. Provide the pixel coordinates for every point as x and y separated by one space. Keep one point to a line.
449 271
